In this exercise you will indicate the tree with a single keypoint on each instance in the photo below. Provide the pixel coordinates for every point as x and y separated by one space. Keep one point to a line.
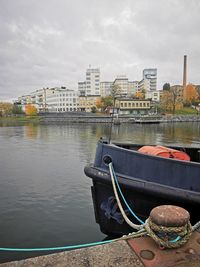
166 87
99 104
115 91
140 94
6 108
93 109
190 94
17 109
106 101
175 97
172 99
30 110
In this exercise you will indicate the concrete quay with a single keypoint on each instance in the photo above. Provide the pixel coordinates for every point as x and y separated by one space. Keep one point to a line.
137 252
92 118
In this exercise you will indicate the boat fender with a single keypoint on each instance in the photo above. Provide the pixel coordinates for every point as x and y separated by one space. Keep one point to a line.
164 152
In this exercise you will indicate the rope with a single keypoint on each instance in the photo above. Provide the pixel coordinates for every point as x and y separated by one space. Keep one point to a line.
120 191
160 234
166 237
134 226
163 235
125 237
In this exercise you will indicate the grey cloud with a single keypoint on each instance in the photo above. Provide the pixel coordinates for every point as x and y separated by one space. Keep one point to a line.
51 43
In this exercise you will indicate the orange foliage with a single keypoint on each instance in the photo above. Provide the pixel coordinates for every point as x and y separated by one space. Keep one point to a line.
139 95
98 103
190 93
30 110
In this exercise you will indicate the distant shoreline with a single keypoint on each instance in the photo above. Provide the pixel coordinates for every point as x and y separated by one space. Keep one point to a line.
91 118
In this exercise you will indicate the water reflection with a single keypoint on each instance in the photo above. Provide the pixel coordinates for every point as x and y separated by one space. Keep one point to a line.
45 199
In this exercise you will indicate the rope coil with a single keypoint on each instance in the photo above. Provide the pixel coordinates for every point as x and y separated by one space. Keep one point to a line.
168 237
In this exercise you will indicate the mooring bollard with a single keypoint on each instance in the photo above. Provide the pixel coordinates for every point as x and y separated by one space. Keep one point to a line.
169 226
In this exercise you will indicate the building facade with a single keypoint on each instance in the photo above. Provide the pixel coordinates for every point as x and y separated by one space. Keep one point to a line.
129 106
149 81
105 88
86 103
62 100
122 82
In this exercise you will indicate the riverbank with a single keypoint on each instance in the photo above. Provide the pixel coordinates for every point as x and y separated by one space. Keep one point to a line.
22 118
64 118
137 252
73 118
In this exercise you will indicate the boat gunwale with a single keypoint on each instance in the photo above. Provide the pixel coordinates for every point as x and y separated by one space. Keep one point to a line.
140 154
149 187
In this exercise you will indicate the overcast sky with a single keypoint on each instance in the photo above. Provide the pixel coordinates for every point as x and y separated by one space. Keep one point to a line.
50 43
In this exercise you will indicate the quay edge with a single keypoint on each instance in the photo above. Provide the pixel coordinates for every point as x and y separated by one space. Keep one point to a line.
138 252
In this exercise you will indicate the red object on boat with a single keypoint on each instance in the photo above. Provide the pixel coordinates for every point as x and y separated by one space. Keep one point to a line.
164 152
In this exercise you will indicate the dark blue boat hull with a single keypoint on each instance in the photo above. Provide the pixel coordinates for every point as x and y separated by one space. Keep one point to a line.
146 182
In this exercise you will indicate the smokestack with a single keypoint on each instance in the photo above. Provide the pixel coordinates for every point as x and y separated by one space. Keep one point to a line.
185 72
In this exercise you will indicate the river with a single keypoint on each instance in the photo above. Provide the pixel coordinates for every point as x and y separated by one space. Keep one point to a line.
45 198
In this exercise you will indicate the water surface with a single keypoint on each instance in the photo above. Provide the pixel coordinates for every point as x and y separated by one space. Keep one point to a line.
45 198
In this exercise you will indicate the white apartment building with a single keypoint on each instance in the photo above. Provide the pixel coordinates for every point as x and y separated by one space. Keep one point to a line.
105 88
82 88
122 82
91 86
36 98
62 100
153 95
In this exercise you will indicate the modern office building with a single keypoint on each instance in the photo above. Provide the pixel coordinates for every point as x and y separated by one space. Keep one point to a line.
122 82
91 86
62 100
105 88
149 81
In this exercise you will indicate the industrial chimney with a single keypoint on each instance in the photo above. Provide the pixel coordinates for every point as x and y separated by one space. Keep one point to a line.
185 72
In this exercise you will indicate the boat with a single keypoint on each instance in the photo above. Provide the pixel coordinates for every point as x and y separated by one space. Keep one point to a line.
149 119
147 179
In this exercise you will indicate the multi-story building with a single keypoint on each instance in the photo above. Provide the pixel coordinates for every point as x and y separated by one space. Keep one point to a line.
132 106
82 88
92 84
86 103
149 81
122 82
62 100
153 95
132 88
105 88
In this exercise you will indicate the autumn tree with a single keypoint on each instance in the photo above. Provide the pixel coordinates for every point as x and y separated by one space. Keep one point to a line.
172 99
99 104
198 92
30 110
140 94
5 108
190 95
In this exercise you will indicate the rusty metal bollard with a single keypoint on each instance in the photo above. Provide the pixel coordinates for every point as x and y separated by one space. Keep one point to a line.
169 226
